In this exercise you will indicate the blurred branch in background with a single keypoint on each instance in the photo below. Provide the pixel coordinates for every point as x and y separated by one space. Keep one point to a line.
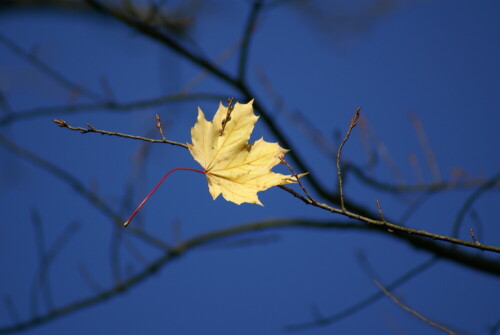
123 284
31 57
411 311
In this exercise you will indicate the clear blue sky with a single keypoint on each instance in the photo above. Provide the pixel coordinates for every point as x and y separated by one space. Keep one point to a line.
437 60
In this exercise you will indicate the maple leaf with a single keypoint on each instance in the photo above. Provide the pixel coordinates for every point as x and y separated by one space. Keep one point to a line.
234 168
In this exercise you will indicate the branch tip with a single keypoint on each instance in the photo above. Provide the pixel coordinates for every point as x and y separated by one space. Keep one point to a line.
60 123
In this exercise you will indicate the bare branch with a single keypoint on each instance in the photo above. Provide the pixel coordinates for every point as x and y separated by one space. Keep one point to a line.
325 321
426 148
411 311
217 72
297 177
339 152
391 227
91 129
495 181
380 210
213 237
473 236
82 190
47 257
111 106
247 36
416 188
48 71
303 124
160 262
173 21
160 128
88 279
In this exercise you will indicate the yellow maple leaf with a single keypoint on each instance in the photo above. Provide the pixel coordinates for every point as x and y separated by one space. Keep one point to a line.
234 168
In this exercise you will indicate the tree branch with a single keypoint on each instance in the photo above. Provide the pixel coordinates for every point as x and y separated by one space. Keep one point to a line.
411 311
91 129
113 106
325 321
477 262
247 36
82 190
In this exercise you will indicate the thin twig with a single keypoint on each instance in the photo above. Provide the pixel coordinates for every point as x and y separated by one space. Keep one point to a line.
106 88
356 307
297 177
473 236
301 122
48 256
168 256
381 150
47 70
219 73
426 148
91 129
414 206
247 36
339 152
88 279
39 279
380 210
394 227
343 211
411 311
418 176
470 201
359 172
160 128
82 190
109 106
478 229
213 237
494 328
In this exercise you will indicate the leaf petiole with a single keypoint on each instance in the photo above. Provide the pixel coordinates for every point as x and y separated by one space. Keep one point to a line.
154 190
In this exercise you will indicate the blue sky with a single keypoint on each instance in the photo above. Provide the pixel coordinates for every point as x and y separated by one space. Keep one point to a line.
437 60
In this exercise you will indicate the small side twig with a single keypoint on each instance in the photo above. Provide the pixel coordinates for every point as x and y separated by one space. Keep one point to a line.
380 211
91 129
411 311
473 236
426 148
297 177
160 128
339 152
471 200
